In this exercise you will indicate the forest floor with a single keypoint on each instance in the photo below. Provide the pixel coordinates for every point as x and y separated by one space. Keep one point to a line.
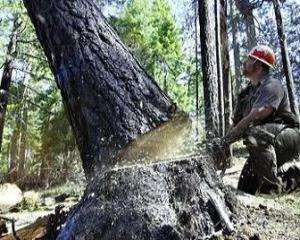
268 217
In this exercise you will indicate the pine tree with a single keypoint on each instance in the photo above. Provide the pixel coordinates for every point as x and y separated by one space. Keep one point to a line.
209 67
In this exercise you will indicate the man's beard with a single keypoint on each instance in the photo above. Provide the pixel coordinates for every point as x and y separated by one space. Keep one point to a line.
246 72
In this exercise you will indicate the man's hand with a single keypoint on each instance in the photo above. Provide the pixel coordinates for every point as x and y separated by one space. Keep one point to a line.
220 151
256 114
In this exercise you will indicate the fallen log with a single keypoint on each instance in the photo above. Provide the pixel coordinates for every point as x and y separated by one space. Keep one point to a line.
46 228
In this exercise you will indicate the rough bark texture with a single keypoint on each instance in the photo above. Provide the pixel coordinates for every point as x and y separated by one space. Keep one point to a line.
209 67
174 200
111 100
246 8
7 75
236 49
219 67
196 61
109 97
285 59
225 65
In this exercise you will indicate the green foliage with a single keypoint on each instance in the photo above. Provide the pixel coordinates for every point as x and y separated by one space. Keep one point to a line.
49 137
150 31
35 107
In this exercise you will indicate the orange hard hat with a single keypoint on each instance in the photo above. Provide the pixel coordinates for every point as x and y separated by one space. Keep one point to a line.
263 54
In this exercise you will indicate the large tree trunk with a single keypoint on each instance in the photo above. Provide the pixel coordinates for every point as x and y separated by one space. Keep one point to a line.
219 68
209 67
225 65
109 98
108 93
285 59
7 74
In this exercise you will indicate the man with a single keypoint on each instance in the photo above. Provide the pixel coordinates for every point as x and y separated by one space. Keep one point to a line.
264 120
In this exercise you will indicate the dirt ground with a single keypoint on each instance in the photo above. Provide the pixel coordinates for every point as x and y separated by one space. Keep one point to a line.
268 217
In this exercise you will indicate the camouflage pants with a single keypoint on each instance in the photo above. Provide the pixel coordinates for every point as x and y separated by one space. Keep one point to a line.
271 147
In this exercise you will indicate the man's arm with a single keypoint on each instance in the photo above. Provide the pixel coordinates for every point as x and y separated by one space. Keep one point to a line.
256 114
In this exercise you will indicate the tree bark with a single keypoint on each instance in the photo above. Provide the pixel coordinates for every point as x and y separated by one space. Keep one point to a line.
227 85
285 59
236 48
246 8
250 30
13 155
209 67
196 62
219 68
16 138
109 98
23 144
170 201
7 74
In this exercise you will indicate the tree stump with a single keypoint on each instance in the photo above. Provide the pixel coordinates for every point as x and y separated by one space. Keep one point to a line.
164 200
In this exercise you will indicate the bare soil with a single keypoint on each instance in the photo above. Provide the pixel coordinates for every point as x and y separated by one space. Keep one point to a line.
268 216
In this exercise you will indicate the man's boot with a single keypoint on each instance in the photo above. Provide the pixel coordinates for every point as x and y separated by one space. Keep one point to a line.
290 174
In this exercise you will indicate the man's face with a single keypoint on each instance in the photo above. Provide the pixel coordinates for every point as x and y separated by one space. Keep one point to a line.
249 67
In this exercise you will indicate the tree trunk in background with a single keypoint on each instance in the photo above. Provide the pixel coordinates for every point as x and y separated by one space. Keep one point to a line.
17 138
13 155
209 67
196 63
46 157
7 74
225 64
246 8
23 144
45 171
236 48
219 68
285 59
250 30
109 97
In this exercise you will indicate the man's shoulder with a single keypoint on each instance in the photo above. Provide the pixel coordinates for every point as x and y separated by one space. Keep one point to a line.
272 83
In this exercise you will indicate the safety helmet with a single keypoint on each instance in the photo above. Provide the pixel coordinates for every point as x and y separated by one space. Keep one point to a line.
263 54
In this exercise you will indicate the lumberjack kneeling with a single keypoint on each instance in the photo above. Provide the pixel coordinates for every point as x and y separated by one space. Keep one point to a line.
264 120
